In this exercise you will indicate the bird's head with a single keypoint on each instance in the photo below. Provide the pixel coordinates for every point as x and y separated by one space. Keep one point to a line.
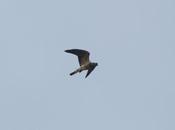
95 64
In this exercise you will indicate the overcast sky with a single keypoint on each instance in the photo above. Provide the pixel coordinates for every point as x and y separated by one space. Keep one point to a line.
133 88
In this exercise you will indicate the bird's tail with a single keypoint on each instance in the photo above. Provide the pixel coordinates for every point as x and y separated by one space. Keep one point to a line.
76 71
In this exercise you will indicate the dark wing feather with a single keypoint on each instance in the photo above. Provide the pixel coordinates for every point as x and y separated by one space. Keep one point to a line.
90 70
83 55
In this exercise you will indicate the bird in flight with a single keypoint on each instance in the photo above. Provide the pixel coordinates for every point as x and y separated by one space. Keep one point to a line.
84 62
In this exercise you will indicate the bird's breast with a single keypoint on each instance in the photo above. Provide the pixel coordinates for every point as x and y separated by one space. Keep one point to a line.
85 67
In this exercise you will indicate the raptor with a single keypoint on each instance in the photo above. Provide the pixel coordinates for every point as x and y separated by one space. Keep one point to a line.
84 62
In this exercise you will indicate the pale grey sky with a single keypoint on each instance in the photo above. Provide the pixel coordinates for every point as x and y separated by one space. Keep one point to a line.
133 88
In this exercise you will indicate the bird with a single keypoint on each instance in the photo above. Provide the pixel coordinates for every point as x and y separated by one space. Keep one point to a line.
84 61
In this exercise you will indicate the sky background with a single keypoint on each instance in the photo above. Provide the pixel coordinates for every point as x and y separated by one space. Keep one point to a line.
133 88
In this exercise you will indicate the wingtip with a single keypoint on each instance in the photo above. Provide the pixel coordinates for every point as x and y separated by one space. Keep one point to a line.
65 50
68 50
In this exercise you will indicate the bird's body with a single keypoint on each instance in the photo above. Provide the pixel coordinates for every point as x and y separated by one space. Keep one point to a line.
83 58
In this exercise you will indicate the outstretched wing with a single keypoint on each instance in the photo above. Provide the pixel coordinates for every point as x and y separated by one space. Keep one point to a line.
90 70
83 55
